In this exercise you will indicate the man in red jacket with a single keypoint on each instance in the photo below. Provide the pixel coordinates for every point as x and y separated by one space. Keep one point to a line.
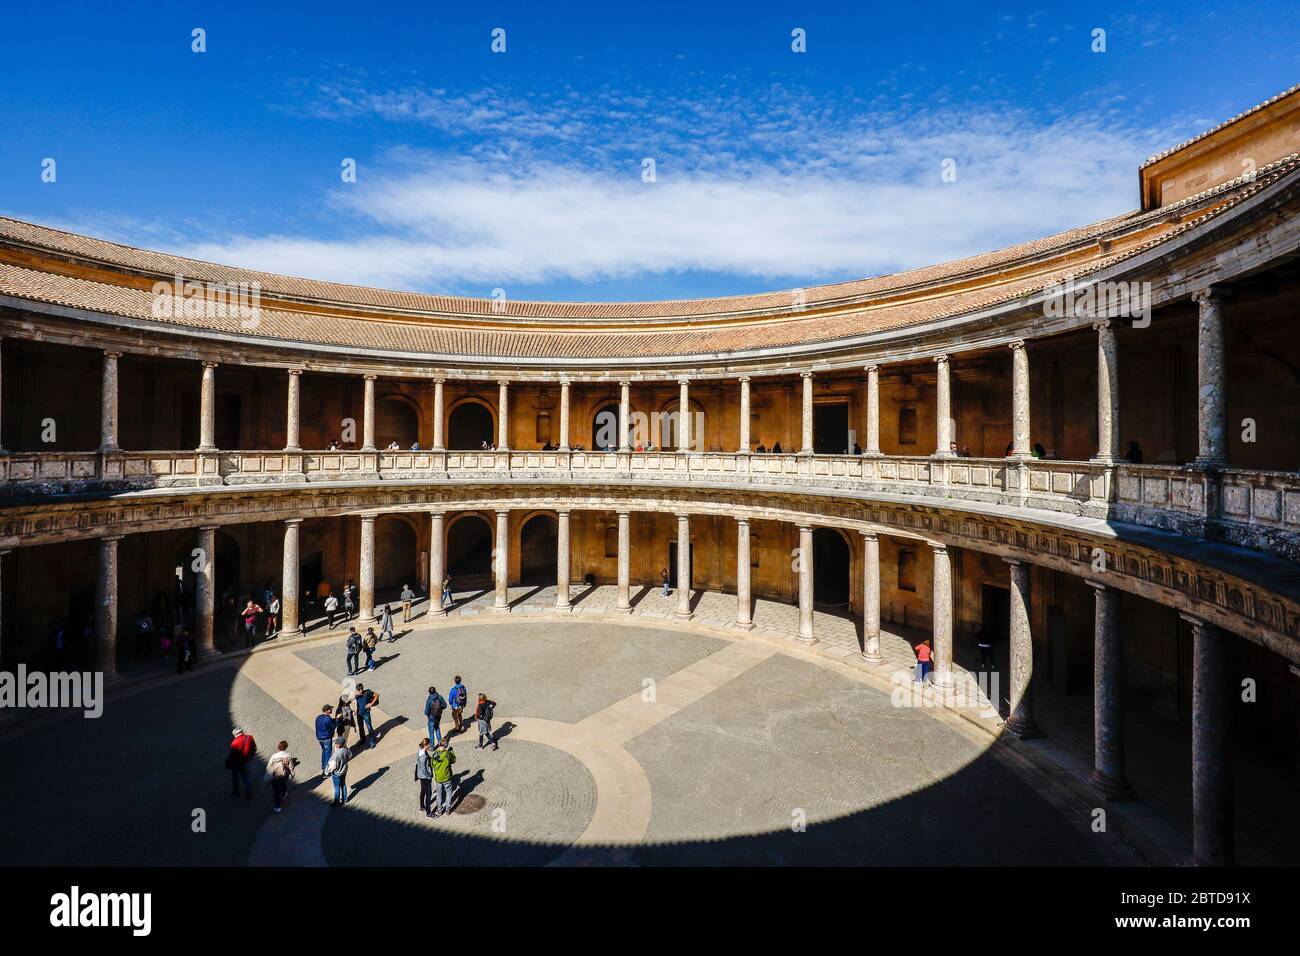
242 750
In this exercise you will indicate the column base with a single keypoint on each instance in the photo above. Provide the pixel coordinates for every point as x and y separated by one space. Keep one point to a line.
875 659
1209 464
566 606
1109 789
870 453
683 615
945 455
1024 729
743 625
1108 461
807 639
501 609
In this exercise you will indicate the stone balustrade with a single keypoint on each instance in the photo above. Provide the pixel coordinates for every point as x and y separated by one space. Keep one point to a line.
1255 509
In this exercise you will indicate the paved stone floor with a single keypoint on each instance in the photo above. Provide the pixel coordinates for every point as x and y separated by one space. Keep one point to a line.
620 743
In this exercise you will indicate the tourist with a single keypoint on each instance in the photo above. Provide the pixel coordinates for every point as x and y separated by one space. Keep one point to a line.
185 651
242 750
415 446
250 615
483 714
442 760
331 608
923 656
761 449
386 624
984 641
354 651
457 699
424 777
345 715
349 603
279 771
434 705
368 645
776 448
337 771
1134 454
664 574
273 616
326 730
857 449
334 446
446 591
366 700
407 597
1039 451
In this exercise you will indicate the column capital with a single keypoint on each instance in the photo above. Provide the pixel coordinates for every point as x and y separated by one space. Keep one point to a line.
805 527
1096 585
438 380
1017 345
1015 562
369 518
624 382
870 535
294 371
114 538
743 378
938 547
941 360
112 353
623 514
1211 293
503 382
563 511
683 517
207 364
566 381
743 521
370 376
805 374
875 367
1104 325
293 520
503 513
1199 623
210 527
683 380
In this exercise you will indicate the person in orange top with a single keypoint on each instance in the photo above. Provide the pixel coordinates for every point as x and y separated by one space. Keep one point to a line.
923 658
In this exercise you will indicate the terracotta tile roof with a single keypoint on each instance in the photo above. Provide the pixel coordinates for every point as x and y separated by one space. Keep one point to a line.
1224 125
331 315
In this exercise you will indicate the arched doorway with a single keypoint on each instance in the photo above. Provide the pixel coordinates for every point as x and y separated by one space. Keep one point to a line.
396 554
470 425
469 551
604 427
538 539
396 420
831 564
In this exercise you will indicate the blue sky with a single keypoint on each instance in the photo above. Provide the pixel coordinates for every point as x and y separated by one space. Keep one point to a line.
523 170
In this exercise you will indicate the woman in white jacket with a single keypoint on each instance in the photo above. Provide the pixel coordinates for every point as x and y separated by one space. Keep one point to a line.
279 771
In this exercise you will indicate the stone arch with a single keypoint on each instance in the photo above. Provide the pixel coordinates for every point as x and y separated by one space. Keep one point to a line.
397 418
469 549
397 552
832 568
538 539
470 422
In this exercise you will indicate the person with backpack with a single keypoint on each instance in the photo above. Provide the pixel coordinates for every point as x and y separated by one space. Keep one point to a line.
365 700
424 777
483 714
279 771
434 705
242 750
345 718
331 608
457 698
337 771
326 728
369 645
354 651
441 761
386 623
446 591
349 603
407 597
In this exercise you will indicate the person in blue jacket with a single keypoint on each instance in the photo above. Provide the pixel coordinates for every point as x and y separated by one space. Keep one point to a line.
457 698
325 727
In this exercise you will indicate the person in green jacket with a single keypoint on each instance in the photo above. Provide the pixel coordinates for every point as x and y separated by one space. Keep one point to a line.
443 758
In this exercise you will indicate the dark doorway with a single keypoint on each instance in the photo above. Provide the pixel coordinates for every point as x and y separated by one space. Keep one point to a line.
311 568
995 617
831 563
672 565
538 541
226 410
396 421
604 427
831 429
471 424
396 554
469 552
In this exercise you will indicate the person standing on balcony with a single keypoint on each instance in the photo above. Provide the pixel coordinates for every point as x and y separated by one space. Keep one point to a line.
407 596
776 448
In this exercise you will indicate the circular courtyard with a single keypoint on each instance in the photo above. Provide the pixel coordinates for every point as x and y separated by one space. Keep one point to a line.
619 744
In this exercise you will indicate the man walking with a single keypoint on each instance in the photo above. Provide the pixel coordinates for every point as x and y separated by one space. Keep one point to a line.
984 640
354 651
331 608
483 714
369 645
442 760
326 727
457 699
365 700
424 777
337 769
407 597
242 749
280 770
349 602
434 705
446 591
386 623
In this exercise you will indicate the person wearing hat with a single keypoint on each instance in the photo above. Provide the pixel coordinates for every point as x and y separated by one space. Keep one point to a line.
242 750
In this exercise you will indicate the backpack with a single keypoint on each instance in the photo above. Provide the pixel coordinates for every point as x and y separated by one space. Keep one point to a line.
354 643
488 710
435 708
460 696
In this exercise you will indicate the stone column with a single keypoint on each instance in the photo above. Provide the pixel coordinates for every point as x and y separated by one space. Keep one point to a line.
873 410
290 588
503 416
501 562
208 408
624 415
942 414
366 612
439 444
806 634
108 404
684 415
1108 696
2 448
205 603
942 616
564 414
1107 394
437 561
624 562
1020 447
4 636
1211 380
683 566
106 607
744 414
291 429
562 561
1212 771
744 615
368 416
806 418
871 598
1020 720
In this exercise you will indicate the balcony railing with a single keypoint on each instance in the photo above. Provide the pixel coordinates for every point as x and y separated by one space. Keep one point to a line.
1256 509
